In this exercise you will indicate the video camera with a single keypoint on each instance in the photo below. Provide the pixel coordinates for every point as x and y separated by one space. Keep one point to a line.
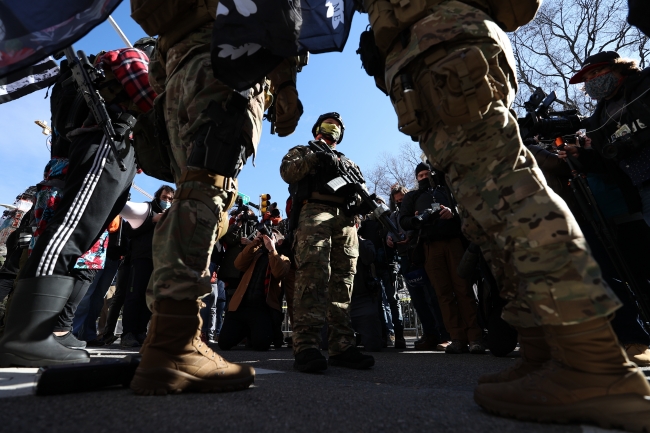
548 124
427 217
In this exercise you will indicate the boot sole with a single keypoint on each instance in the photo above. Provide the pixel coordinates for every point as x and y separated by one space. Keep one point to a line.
163 381
312 366
629 412
8 360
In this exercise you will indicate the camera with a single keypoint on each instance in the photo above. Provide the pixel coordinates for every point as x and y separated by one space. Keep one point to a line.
264 228
548 124
427 217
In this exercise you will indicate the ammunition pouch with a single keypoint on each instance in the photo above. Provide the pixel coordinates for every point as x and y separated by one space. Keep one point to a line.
461 87
151 142
221 146
455 87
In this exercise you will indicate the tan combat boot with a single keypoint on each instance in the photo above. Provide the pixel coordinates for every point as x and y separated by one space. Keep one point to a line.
174 359
589 380
534 353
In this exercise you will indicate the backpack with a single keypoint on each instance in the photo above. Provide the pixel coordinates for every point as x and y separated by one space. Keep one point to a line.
151 143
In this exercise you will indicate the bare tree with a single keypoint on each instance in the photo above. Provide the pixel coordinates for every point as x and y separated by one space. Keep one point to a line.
394 169
552 48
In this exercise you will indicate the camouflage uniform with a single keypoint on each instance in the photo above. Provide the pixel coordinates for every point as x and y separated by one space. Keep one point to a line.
526 229
184 237
326 251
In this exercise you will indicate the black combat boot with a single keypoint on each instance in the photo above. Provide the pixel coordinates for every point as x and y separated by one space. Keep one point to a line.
352 358
310 361
35 307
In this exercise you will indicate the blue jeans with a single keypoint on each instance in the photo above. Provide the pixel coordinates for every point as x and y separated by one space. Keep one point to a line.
390 305
644 192
221 309
84 324
425 302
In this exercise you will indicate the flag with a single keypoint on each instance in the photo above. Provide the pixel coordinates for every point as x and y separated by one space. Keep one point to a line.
34 29
28 80
251 37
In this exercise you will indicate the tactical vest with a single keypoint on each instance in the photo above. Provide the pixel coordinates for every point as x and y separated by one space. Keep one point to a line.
389 18
172 19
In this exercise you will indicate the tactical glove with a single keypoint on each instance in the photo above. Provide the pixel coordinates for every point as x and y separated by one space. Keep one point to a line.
288 110
327 161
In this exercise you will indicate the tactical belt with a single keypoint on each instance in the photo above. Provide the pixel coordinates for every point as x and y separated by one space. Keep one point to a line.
325 202
227 184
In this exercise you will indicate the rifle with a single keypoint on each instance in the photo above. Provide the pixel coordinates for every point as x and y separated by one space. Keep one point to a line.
352 176
85 76
592 213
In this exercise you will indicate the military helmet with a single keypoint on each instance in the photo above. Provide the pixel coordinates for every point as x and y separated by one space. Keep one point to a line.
146 44
333 115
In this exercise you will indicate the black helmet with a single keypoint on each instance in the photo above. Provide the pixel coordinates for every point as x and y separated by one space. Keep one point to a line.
146 44
333 115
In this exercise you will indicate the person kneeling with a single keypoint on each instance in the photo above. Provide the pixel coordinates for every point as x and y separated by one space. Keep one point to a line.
255 309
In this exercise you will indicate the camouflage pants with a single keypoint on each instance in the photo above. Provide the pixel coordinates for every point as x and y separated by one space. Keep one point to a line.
326 249
551 277
185 235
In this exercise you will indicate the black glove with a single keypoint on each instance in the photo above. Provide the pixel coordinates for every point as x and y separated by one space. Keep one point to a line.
328 161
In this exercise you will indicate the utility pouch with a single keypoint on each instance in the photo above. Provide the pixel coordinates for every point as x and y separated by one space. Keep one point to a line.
151 143
462 91
220 146
383 22
411 119
512 14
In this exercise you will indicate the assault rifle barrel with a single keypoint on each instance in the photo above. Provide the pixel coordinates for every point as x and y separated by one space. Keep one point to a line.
78 64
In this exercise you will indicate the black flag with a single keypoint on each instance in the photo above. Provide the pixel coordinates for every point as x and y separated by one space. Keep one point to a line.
28 80
251 37
31 30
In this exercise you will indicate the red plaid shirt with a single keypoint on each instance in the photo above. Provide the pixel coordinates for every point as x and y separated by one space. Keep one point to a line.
131 68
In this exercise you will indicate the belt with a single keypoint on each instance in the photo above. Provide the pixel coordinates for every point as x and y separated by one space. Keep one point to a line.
325 202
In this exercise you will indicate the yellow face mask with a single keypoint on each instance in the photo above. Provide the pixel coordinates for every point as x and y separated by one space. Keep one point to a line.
331 131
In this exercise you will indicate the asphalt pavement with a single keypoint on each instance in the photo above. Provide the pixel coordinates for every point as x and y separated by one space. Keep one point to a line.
406 391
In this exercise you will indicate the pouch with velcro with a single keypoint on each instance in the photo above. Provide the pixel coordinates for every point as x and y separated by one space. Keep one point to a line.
151 143
461 90
411 118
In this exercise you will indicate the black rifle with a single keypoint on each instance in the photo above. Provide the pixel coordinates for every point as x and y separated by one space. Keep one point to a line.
86 76
351 176
590 210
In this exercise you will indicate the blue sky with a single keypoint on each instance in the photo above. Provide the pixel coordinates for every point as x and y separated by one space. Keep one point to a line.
331 82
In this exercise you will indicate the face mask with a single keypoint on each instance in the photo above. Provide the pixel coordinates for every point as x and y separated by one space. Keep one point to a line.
331 131
602 86
424 183
164 205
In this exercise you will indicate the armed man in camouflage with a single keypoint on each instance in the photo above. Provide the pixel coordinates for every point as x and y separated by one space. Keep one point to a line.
450 73
326 251
212 131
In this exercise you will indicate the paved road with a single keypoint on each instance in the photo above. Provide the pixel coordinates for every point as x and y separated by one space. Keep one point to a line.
407 391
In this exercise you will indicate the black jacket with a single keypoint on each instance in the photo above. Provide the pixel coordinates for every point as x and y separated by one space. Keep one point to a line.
615 171
420 201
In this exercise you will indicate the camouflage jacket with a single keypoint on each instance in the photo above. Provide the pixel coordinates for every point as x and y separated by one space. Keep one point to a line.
448 21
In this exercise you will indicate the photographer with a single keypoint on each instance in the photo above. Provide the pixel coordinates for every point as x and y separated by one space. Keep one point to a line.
242 226
618 128
255 310
423 298
429 210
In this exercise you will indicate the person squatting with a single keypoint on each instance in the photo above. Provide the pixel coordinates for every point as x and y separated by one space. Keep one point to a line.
341 255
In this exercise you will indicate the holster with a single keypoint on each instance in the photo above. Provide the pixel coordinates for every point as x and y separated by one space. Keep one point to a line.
220 145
